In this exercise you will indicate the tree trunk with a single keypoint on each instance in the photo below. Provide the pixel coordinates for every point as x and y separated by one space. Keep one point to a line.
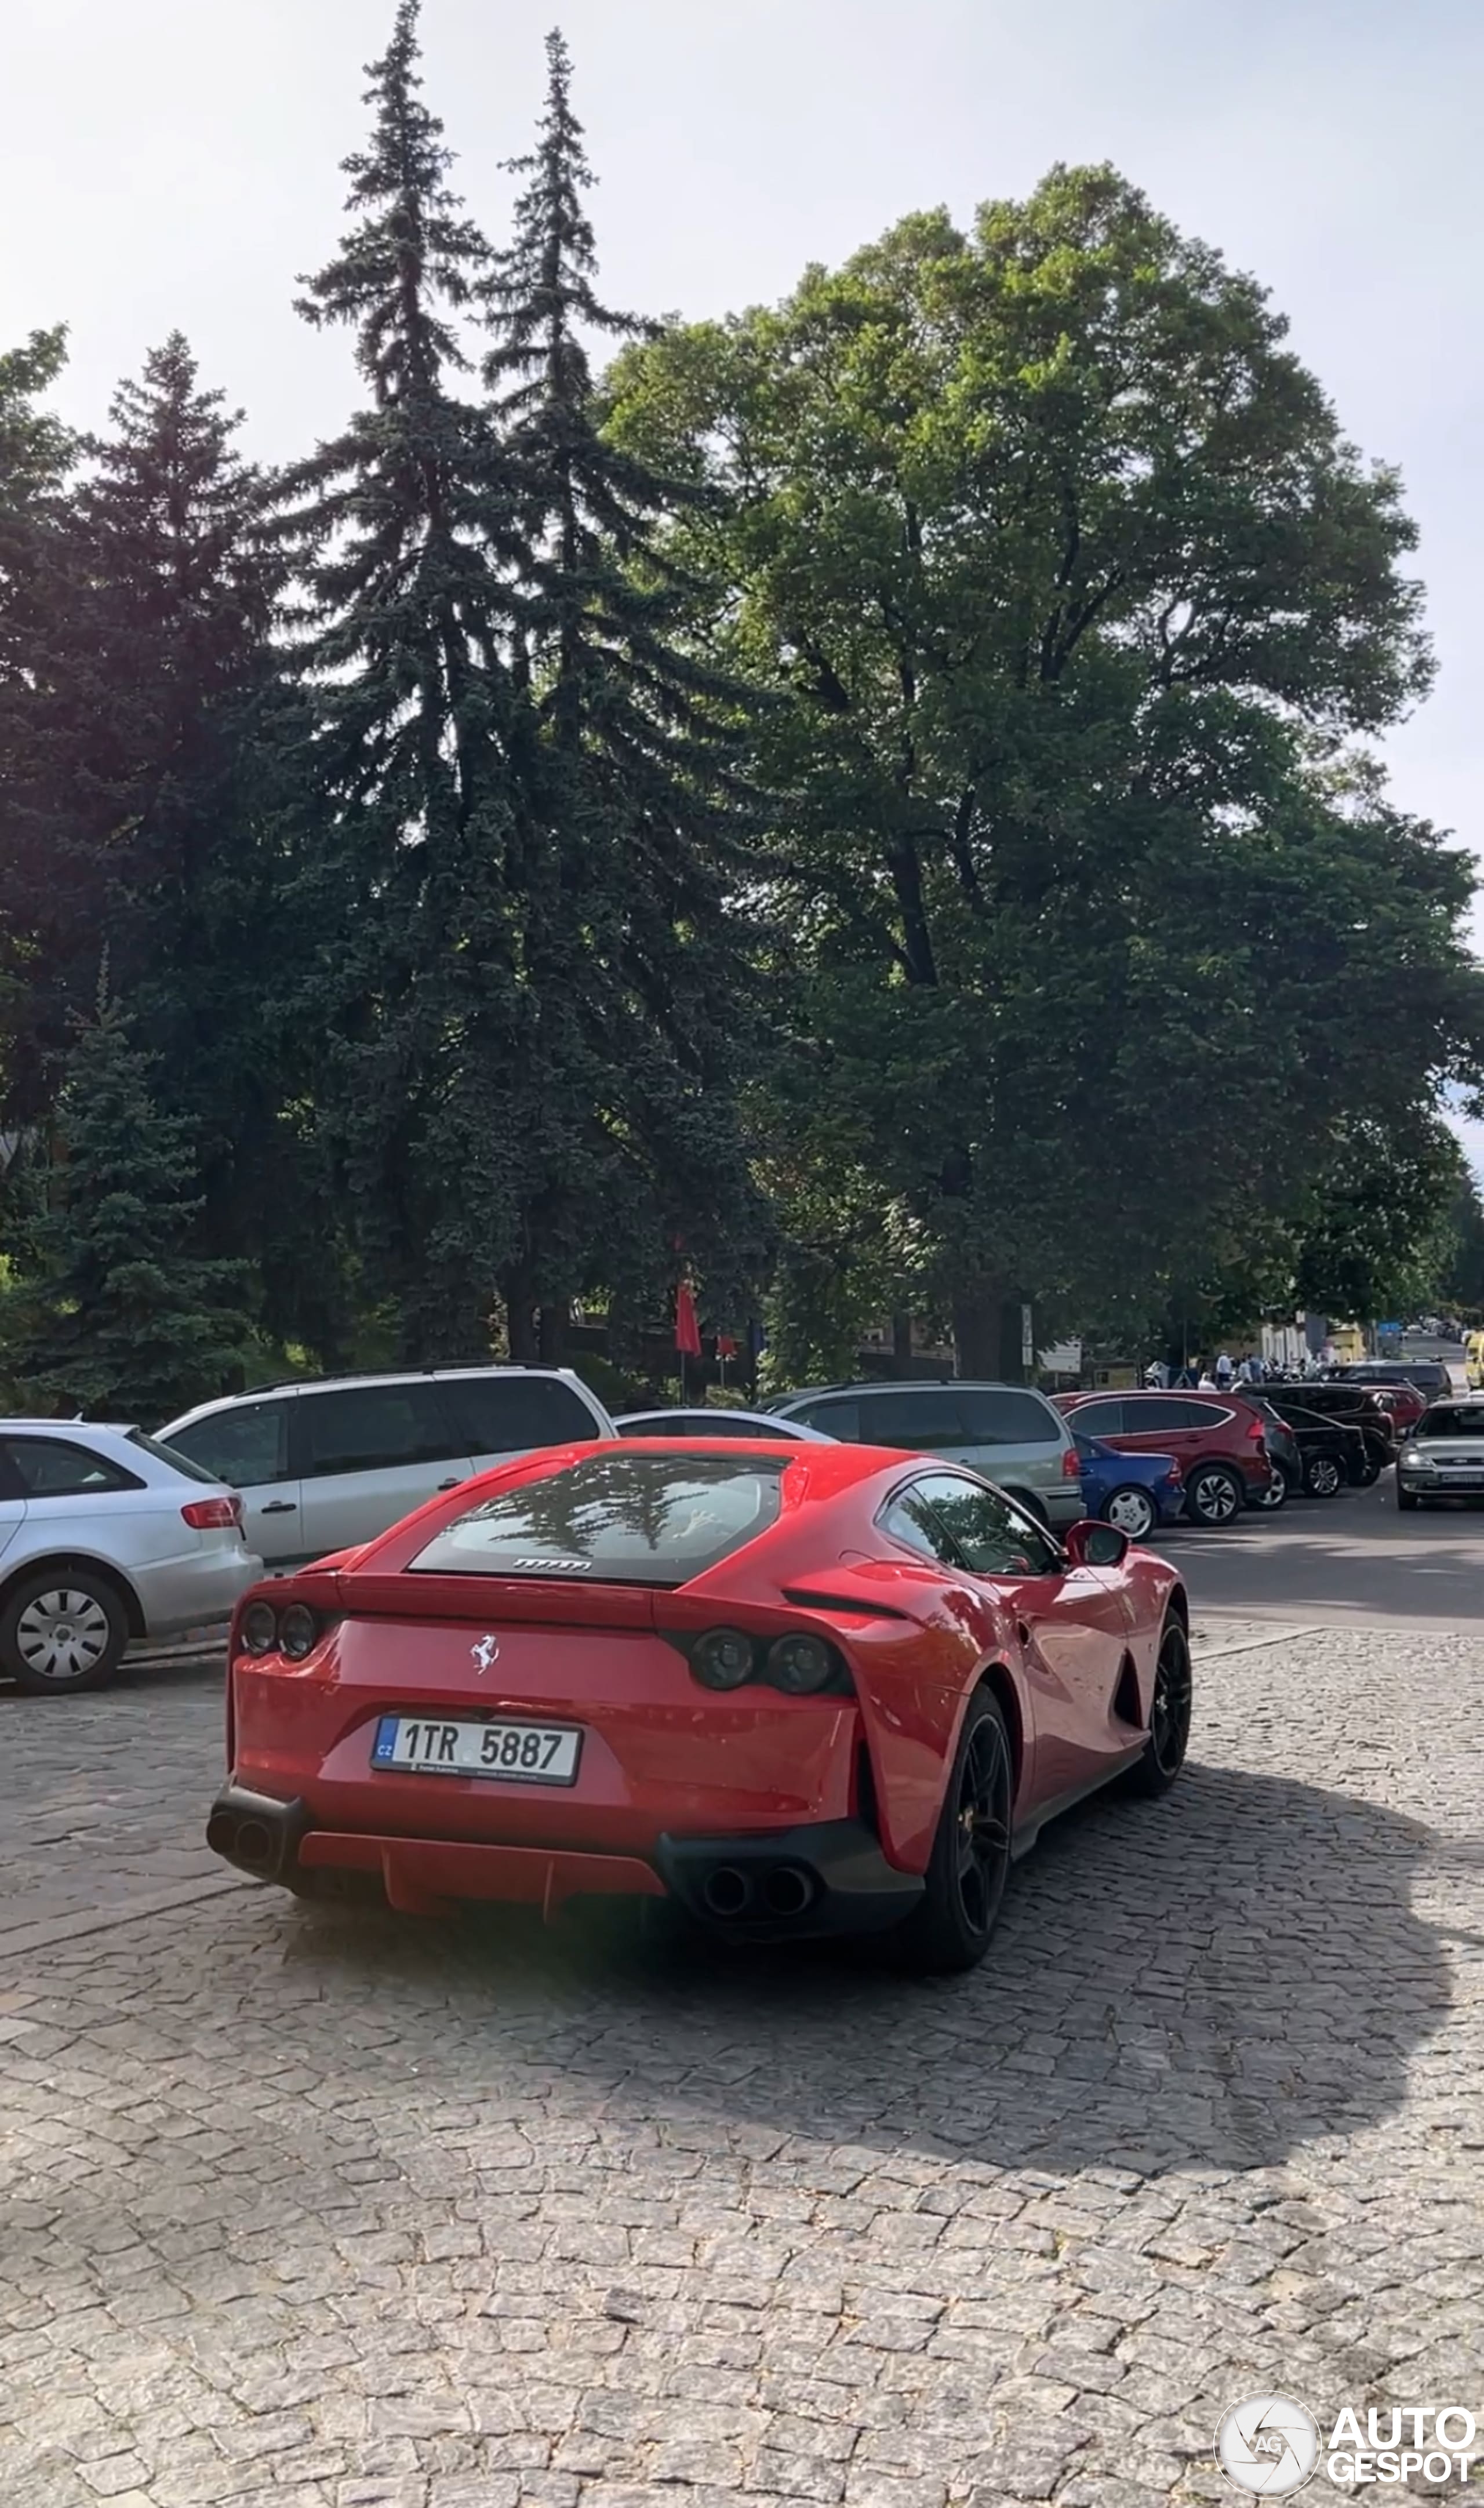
520 1319
552 1341
986 1334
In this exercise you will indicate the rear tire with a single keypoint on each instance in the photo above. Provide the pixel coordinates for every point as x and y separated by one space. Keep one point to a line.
1276 1495
62 1629
1169 1717
1214 1496
1324 1476
949 1930
1133 1511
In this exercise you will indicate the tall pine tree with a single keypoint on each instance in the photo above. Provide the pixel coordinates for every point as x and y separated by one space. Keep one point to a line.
36 456
402 528
637 952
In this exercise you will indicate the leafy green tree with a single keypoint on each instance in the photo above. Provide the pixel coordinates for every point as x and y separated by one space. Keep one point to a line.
1075 593
1381 1237
1461 1286
112 1311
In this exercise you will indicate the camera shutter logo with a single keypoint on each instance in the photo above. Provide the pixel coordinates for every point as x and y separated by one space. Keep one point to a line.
1269 2447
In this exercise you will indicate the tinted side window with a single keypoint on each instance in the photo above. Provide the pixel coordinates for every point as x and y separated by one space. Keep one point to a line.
510 1415
909 1419
1008 1419
1098 1418
838 1417
54 1467
246 1449
374 1428
993 1537
1145 1415
910 1519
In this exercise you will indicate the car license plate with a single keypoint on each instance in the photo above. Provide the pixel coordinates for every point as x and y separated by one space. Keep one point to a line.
526 1755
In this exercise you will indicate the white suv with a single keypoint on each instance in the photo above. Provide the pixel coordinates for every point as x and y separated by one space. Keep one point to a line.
326 1464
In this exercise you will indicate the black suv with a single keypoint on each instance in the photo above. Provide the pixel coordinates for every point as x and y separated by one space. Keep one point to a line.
1340 1406
1329 1455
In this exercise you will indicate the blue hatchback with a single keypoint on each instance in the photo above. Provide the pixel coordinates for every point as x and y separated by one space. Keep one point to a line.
1135 1492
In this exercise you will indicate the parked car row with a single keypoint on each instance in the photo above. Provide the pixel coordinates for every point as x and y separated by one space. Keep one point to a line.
108 1535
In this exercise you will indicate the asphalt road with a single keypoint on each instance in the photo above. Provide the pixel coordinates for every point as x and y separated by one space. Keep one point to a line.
1348 1559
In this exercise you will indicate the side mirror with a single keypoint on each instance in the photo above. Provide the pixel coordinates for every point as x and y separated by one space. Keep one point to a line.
1088 1544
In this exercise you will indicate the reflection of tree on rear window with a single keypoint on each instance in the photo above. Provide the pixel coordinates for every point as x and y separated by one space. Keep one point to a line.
639 1519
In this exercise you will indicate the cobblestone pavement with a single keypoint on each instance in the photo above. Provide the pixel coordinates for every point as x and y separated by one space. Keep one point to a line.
328 2210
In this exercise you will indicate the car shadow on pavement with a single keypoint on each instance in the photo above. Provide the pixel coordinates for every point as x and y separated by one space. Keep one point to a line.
1209 1982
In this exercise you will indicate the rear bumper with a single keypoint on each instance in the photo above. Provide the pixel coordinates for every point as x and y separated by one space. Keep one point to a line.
196 1591
824 1878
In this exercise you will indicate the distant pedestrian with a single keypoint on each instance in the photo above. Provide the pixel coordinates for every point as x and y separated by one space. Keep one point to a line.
1223 1372
1207 1384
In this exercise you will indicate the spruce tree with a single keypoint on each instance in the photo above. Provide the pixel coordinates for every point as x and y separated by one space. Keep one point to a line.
402 529
113 1312
638 958
36 456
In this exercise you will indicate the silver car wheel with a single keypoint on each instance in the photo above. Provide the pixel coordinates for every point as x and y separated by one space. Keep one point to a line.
1131 1512
63 1634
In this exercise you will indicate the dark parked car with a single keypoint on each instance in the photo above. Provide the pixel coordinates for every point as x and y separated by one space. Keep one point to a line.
1134 1492
1328 1454
1408 1384
1342 1406
1222 1443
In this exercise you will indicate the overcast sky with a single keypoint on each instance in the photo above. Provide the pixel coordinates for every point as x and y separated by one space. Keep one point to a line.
175 163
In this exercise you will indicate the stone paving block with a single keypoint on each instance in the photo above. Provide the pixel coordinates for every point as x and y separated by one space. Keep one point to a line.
336 2211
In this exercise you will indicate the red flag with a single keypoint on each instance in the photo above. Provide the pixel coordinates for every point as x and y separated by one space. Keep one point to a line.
688 1332
727 1348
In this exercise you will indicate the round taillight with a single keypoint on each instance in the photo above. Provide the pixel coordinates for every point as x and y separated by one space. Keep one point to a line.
298 1632
801 1665
260 1628
723 1659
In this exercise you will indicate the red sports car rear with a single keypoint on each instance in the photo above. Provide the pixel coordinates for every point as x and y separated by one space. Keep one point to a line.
768 1680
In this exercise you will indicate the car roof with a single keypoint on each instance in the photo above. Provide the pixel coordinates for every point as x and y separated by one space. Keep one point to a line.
24 1424
908 1384
799 1434
378 1376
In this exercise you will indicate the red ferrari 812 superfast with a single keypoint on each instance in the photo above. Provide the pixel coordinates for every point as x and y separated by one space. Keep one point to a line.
801 1689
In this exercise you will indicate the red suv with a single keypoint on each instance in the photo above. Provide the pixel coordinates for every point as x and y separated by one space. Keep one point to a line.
1219 1440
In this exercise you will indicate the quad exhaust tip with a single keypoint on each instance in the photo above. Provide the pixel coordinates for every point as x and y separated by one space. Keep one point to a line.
782 1890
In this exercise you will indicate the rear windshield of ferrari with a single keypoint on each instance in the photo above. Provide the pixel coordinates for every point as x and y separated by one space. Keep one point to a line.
615 1518
1452 1420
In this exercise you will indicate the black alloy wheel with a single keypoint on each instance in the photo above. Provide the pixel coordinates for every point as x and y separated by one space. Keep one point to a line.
949 1929
1324 1476
1169 1710
1214 1496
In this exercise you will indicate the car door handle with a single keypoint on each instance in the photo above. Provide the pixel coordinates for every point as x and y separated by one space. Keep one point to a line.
455 1482
280 1506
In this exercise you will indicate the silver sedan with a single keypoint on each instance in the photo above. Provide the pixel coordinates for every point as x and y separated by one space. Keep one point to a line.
106 1538
703 1421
